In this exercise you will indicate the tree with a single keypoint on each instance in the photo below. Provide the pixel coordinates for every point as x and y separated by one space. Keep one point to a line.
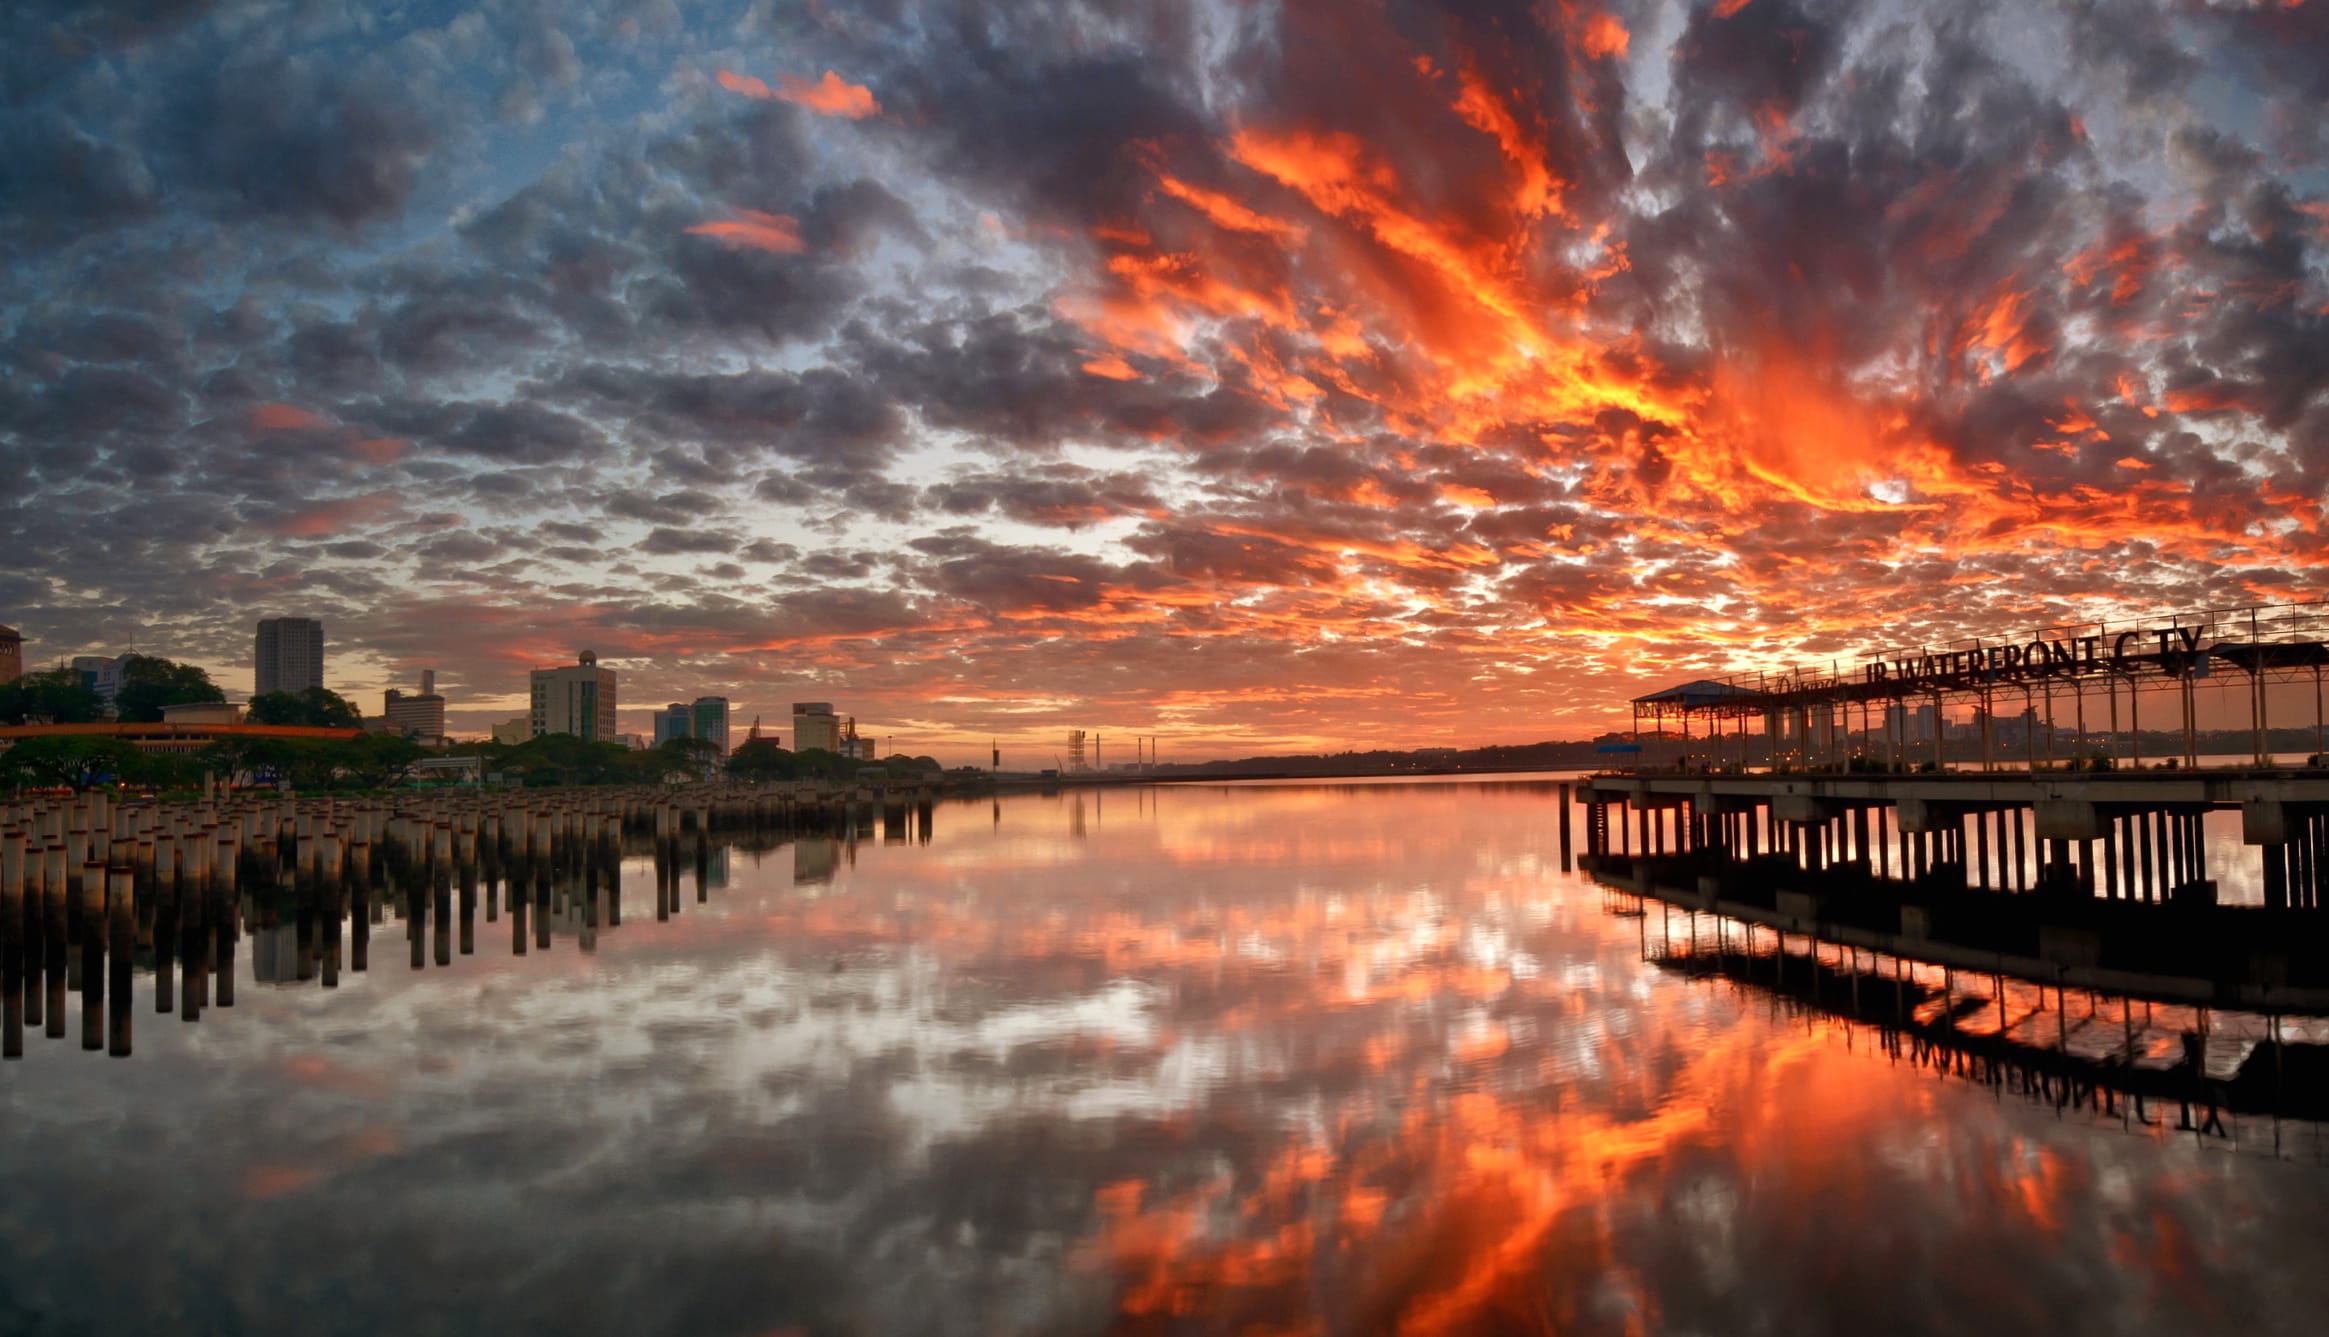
54 696
72 761
312 708
149 682
377 760
564 759
683 759
760 760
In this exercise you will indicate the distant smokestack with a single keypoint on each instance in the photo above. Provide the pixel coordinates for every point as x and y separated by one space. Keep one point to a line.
428 682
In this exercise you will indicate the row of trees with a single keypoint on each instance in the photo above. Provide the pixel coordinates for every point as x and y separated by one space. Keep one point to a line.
148 683
381 761
368 761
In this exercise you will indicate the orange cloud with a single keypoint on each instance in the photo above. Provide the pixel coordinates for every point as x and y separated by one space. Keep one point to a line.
828 96
323 518
1605 36
780 233
283 417
747 85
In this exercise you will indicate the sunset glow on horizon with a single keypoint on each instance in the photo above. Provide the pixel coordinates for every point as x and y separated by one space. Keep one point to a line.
1258 377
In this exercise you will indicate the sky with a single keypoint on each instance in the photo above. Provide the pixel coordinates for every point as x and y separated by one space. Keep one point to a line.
1250 376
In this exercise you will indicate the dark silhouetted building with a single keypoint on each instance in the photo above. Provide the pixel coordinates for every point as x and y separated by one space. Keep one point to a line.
289 657
705 718
11 655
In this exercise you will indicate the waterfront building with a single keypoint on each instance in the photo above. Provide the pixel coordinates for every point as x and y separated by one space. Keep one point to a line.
288 656
577 699
815 726
673 721
11 655
421 717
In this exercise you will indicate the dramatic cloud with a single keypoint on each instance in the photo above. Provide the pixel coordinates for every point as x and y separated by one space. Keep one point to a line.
1256 377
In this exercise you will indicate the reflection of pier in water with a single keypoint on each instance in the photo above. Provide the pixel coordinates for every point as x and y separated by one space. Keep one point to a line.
93 891
2099 882
2252 1081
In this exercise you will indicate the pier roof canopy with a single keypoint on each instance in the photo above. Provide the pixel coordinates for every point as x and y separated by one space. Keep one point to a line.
1695 695
2255 658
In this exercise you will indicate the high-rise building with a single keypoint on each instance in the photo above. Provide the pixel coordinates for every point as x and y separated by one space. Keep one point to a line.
289 657
11 655
674 721
815 725
706 717
578 699
709 720
102 676
421 717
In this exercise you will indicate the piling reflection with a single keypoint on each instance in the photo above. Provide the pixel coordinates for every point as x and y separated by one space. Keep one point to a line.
1250 1060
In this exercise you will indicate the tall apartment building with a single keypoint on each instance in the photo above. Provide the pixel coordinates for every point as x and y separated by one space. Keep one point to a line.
419 717
11 655
289 657
815 725
674 721
578 699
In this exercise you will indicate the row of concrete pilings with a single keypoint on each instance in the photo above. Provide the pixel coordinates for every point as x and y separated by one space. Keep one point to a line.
94 887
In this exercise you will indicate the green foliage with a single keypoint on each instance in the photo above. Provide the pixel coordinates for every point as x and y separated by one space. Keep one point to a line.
52 696
684 759
367 761
564 759
760 761
149 683
82 762
312 708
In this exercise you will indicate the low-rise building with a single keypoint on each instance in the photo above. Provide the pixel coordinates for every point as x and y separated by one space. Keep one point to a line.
420 718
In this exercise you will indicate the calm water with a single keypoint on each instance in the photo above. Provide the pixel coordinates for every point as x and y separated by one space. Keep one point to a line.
1248 1060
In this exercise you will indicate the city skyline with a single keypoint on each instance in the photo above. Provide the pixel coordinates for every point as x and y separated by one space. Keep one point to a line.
1297 378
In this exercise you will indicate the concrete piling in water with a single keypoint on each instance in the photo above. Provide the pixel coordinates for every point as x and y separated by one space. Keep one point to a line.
359 881
162 868
441 889
226 929
35 930
12 939
465 854
121 909
1564 803
89 914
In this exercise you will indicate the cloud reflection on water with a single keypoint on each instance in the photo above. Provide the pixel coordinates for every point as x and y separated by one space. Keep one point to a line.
1255 1061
